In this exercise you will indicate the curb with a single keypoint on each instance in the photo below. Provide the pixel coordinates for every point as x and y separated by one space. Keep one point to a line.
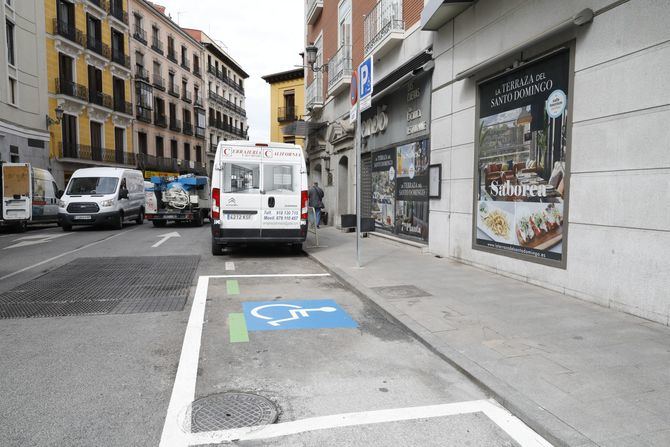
547 425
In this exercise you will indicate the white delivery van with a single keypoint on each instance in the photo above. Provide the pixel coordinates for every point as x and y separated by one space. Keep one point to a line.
29 195
259 194
45 197
102 196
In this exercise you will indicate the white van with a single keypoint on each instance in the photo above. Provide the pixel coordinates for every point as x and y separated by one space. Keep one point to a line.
29 195
102 196
259 194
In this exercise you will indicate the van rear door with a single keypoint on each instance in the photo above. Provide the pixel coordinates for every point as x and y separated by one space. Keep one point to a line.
281 193
16 191
240 196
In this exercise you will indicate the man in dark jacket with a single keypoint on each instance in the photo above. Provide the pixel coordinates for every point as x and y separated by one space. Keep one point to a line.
316 201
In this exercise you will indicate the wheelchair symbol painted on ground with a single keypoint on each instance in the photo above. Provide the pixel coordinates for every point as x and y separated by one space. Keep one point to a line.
305 314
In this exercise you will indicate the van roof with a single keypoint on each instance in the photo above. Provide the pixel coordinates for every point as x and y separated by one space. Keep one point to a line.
272 144
101 172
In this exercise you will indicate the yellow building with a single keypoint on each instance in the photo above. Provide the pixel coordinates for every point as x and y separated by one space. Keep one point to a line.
287 90
88 71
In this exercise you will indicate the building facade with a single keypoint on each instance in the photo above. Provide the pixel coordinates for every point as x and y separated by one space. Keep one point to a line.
344 33
89 77
168 93
226 101
24 135
287 99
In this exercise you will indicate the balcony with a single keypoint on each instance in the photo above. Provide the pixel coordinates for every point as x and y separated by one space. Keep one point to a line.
196 70
96 154
140 34
69 31
213 147
159 82
153 163
71 89
160 120
103 5
188 128
200 132
339 71
100 99
157 46
98 47
314 93
185 64
173 90
198 100
172 55
119 57
187 96
143 114
123 106
286 114
141 73
116 11
383 28
314 8
175 125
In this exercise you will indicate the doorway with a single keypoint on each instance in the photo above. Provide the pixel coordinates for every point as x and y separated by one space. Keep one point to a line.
343 186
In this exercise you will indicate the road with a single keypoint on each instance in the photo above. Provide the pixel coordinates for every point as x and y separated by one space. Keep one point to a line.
114 336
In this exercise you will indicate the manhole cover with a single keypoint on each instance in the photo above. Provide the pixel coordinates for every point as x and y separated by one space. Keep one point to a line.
231 410
401 292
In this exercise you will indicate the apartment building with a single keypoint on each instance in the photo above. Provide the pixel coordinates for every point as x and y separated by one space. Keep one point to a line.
24 135
169 130
88 74
226 110
287 99
344 33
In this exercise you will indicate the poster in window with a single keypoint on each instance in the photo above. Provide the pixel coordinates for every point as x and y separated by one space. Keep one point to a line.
521 160
383 188
412 190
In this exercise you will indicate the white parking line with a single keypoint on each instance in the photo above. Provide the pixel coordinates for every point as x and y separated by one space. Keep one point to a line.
516 429
65 254
230 265
276 275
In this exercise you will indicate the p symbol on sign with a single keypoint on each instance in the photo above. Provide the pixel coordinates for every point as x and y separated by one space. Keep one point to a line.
365 75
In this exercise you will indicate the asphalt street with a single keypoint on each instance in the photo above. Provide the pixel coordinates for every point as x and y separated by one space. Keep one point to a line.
336 371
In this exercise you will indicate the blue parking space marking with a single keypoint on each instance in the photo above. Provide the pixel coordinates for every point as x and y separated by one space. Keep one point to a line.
303 314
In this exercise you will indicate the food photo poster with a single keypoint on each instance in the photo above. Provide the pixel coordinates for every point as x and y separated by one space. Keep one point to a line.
521 160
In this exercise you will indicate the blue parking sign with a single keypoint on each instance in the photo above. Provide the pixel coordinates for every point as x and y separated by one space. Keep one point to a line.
303 314
365 78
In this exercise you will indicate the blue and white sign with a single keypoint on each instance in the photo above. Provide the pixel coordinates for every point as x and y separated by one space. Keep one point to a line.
304 314
556 103
365 83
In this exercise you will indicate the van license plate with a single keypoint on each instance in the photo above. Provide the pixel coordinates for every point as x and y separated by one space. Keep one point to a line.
82 217
238 216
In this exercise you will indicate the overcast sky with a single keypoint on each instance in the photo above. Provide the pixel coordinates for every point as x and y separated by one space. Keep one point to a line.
263 36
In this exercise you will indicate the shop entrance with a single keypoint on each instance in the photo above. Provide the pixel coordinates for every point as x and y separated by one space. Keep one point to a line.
343 186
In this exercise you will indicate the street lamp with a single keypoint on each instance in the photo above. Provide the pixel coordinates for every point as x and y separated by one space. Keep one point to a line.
311 52
59 117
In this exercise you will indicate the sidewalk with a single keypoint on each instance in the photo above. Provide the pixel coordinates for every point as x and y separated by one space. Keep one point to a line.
577 373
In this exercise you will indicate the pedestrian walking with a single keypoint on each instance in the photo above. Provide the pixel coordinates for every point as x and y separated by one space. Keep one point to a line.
316 201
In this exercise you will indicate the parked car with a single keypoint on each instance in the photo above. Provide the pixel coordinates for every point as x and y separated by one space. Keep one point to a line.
259 194
102 196
29 195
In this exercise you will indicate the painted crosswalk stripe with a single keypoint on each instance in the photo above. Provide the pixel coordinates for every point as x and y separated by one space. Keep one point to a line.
237 327
232 287
230 265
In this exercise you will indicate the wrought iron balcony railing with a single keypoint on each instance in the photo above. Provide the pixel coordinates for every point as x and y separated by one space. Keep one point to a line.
93 154
339 66
69 31
141 73
119 57
123 106
285 114
143 114
72 89
384 18
98 47
100 99
188 128
157 45
159 82
140 34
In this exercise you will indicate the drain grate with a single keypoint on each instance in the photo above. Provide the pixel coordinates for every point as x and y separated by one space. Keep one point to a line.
400 292
231 410
91 286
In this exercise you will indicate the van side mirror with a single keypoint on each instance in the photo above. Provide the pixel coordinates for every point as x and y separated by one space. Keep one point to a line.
59 193
123 193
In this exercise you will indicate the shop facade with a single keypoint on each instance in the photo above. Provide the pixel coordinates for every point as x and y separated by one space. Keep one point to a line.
395 160
551 146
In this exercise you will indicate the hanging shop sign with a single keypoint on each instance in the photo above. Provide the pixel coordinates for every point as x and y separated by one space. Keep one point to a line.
520 178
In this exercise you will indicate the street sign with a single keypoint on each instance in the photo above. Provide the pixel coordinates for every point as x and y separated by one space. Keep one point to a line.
353 93
365 71
304 314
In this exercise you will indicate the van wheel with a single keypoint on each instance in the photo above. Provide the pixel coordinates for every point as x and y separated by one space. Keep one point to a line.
66 227
296 249
217 249
140 218
198 219
22 227
118 224
158 223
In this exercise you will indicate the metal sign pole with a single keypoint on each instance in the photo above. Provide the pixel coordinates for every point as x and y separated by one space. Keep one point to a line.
357 144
